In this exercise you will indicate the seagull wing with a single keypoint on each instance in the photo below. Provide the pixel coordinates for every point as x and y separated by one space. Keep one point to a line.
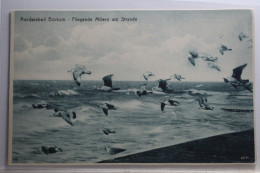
110 106
201 102
162 106
66 117
221 51
108 80
248 88
162 84
105 131
178 77
240 37
223 47
173 102
194 54
105 111
192 60
238 71
139 93
146 77
234 86
77 76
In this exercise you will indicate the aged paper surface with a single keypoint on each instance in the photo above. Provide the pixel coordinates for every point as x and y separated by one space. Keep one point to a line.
131 87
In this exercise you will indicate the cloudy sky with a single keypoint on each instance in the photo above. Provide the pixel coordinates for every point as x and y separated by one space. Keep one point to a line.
158 41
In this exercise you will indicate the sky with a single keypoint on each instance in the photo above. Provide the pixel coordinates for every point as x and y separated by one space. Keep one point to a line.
158 42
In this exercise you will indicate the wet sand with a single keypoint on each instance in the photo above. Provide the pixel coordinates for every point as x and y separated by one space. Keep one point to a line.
235 147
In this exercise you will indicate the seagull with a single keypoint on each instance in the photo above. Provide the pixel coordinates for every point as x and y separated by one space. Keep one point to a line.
224 48
114 151
242 36
107 84
147 75
162 86
50 150
214 66
42 105
198 94
142 90
236 81
193 55
60 112
209 58
250 41
106 107
77 72
108 131
169 102
178 77
204 105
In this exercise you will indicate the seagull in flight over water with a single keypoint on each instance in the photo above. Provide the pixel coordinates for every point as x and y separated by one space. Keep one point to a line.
60 112
204 105
108 131
178 77
147 75
236 81
106 106
193 55
107 84
162 86
169 102
142 90
77 71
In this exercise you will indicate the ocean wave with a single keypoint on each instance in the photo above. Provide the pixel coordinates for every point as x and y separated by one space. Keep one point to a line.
26 95
68 92
134 90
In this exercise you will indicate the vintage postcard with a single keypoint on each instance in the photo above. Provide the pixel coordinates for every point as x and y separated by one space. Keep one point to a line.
131 87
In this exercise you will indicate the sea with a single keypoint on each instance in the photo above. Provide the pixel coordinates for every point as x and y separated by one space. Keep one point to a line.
138 122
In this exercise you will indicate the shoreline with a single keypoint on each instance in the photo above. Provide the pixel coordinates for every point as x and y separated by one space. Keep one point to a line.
237 147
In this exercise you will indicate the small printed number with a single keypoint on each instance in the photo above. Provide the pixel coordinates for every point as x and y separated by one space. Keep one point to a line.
244 157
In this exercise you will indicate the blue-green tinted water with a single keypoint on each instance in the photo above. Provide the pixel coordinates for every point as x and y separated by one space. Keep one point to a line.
139 123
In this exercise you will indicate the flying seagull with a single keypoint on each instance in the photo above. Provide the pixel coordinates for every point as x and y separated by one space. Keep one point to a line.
193 55
198 94
142 90
214 66
77 71
106 106
169 102
162 86
242 36
178 77
50 150
209 58
204 105
147 75
60 112
114 151
108 131
107 84
224 48
236 81
42 105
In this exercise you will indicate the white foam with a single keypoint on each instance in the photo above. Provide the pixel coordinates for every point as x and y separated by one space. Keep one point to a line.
68 92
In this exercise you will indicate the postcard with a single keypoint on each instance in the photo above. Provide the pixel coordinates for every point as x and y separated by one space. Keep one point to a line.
131 87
